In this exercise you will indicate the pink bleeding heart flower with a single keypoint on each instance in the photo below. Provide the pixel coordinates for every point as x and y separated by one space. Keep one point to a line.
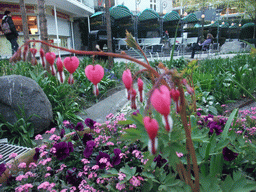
151 126
94 73
140 87
161 101
175 95
127 80
71 64
133 99
60 73
33 51
42 56
50 57
25 52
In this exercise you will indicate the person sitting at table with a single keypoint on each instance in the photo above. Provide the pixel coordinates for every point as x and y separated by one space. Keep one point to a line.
202 46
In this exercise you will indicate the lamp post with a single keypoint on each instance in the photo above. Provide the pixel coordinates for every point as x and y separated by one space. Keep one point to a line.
203 16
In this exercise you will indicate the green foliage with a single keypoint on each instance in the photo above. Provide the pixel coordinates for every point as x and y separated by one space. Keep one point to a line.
227 79
21 132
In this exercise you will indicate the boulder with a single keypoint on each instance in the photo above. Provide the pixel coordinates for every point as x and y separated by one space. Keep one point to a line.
233 46
19 92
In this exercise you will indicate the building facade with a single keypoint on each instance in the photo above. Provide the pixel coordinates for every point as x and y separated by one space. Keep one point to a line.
60 15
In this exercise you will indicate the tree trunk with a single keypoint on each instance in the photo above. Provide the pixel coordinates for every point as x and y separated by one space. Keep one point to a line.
43 28
109 35
24 23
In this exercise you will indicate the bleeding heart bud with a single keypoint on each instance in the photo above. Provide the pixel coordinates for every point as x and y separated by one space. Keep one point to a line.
25 52
71 64
133 99
50 57
151 126
127 79
59 65
140 87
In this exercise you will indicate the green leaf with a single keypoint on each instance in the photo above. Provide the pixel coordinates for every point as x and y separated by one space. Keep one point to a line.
224 134
127 122
193 121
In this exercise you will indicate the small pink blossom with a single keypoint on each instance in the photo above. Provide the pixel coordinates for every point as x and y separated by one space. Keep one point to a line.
13 155
1 156
120 186
22 165
179 154
134 181
95 167
53 150
39 137
47 175
110 143
32 165
48 168
63 190
85 161
51 131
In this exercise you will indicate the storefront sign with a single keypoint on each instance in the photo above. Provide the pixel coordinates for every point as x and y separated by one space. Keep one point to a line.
15 8
61 15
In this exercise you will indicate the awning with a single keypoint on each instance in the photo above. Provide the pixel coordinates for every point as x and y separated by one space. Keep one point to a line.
248 25
190 18
148 14
198 25
119 12
225 25
97 13
215 24
172 16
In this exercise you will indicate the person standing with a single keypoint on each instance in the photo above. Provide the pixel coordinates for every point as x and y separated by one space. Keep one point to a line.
11 34
202 46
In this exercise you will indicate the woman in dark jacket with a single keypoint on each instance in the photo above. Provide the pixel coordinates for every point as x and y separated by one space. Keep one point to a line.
13 35
202 46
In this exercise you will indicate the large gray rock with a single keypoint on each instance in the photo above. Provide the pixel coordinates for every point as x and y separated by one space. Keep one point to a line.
234 46
22 92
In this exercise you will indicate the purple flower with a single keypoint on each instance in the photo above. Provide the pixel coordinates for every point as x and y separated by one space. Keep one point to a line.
70 147
62 150
68 125
214 126
2 168
159 161
79 126
36 156
89 148
208 116
136 112
116 160
89 123
102 160
86 137
198 114
62 133
72 178
228 155
75 137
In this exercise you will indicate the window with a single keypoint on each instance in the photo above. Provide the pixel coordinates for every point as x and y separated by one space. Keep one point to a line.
153 4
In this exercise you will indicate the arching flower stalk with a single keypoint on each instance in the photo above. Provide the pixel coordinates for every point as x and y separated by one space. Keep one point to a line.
161 101
133 99
71 64
127 80
151 126
94 73
175 95
42 56
60 73
140 87
50 57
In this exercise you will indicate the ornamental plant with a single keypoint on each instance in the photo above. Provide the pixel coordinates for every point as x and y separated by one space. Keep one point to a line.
173 152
